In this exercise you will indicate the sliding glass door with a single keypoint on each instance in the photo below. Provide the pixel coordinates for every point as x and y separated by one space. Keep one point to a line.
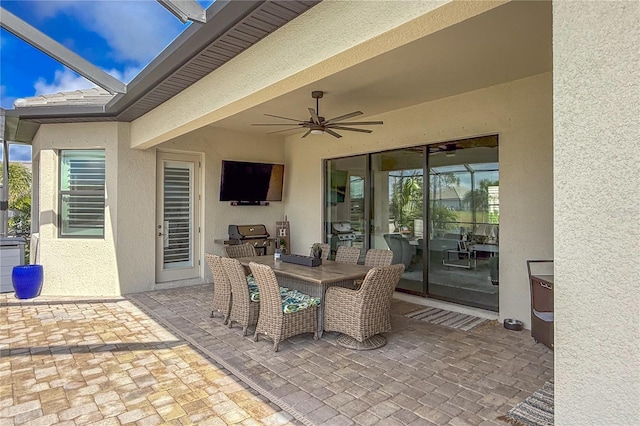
436 207
398 208
345 208
463 222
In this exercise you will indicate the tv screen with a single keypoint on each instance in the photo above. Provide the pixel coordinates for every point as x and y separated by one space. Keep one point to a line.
245 181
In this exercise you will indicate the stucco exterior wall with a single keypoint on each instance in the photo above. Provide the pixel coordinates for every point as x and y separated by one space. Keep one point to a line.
134 230
596 66
72 266
124 261
520 112
221 144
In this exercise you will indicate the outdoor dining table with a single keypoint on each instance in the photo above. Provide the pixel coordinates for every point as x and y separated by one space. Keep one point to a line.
312 280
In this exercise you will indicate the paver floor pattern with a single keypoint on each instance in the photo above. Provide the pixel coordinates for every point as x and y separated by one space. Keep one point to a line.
104 362
426 374
158 358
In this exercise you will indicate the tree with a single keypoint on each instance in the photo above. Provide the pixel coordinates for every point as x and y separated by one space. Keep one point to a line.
478 199
20 200
406 201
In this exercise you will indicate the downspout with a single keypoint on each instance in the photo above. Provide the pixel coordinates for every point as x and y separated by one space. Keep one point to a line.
4 196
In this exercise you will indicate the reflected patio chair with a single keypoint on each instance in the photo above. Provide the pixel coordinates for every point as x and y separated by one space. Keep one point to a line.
326 250
347 254
245 305
280 319
378 257
221 287
361 315
240 250
403 252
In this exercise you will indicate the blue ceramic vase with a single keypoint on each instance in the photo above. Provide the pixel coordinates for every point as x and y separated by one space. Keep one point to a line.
27 280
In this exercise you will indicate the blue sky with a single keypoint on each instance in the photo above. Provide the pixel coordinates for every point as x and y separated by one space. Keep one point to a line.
121 37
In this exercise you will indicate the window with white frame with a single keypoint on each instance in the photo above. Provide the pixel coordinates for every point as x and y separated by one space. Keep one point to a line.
82 181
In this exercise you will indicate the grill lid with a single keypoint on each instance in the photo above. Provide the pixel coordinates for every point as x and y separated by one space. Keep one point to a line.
341 227
241 232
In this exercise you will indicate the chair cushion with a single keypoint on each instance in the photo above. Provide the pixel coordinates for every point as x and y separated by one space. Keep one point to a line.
254 293
294 301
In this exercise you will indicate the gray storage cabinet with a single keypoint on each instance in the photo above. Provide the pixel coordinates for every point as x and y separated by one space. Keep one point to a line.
11 254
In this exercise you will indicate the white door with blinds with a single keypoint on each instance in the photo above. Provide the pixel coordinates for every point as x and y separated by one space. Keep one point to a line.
178 217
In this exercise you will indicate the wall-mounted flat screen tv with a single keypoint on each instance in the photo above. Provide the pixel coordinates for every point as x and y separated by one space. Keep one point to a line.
246 181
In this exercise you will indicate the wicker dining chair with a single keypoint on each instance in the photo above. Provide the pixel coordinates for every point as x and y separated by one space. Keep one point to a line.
375 257
221 287
240 250
347 254
378 257
273 322
326 250
244 311
361 315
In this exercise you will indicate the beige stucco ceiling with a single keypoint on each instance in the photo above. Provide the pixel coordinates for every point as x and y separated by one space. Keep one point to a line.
507 43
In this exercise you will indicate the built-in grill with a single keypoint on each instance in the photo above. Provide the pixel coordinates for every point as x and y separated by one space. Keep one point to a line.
341 235
255 235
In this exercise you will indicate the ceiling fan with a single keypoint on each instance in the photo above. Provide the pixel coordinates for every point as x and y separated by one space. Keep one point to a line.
448 149
318 125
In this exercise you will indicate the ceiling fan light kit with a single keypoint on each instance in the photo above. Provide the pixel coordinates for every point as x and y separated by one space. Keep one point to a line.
318 125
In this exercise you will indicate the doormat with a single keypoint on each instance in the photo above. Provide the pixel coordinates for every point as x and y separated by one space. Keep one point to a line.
536 410
450 319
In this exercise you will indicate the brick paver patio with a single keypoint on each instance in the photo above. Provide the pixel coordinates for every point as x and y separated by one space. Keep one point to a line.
158 358
104 362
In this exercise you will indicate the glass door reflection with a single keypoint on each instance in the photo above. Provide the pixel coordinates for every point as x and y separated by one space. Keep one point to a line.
398 208
345 202
464 222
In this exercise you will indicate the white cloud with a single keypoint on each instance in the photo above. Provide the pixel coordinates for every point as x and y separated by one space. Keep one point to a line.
68 81
136 30
125 76
63 81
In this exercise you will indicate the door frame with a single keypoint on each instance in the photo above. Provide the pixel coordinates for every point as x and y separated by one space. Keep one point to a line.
196 270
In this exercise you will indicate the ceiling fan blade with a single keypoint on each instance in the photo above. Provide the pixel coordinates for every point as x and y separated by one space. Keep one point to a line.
359 123
343 117
314 116
284 130
351 129
272 124
284 118
306 134
332 133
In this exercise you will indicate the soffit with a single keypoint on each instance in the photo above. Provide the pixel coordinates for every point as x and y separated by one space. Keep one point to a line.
507 43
